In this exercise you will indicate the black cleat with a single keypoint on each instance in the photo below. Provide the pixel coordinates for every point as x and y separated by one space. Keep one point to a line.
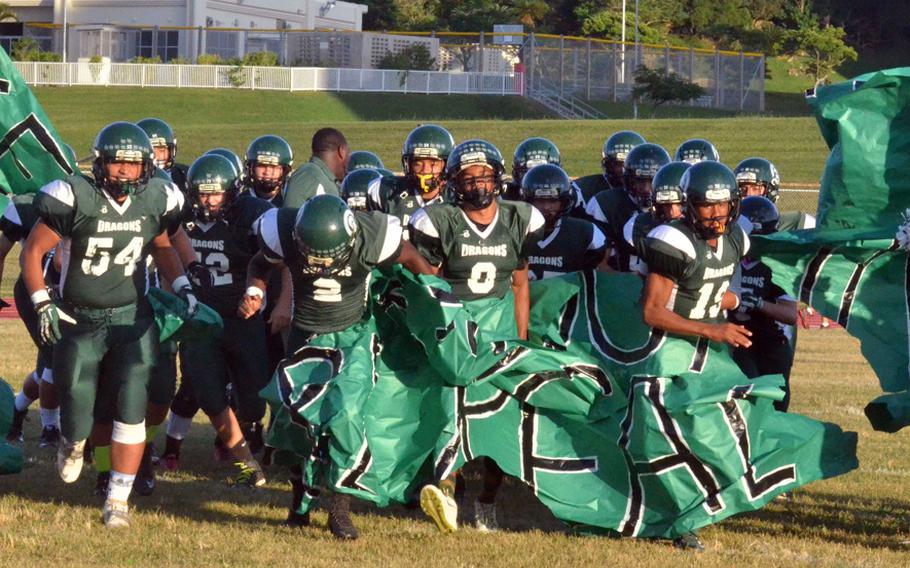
15 429
50 435
297 520
88 455
145 477
252 433
101 483
690 542
340 518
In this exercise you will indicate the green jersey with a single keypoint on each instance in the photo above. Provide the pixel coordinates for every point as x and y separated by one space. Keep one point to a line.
106 243
610 210
329 304
795 220
591 185
572 245
311 179
477 261
391 196
225 247
701 273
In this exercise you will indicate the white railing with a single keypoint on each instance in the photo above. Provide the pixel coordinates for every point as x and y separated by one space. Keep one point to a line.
271 78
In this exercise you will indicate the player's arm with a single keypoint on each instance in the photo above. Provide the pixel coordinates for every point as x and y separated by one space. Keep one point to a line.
257 277
167 261
413 260
39 242
6 245
658 289
280 318
521 289
424 239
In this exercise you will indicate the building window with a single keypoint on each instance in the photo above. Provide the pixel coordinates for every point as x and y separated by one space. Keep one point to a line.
167 44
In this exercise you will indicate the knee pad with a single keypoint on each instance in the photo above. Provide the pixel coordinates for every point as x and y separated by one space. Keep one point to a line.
129 434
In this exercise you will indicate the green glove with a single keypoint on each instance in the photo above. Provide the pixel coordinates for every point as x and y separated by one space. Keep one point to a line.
49 316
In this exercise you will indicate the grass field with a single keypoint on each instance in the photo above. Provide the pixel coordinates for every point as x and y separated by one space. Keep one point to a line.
194 519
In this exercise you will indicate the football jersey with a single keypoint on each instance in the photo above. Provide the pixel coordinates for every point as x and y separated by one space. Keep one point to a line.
794 220
591 185
391 196
178 176
571 246
225 247
634 232
701 274
105 243
610 210
755 277
333 303
477 262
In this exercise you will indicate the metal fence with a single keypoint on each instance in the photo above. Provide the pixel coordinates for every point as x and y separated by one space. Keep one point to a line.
271 78
799 197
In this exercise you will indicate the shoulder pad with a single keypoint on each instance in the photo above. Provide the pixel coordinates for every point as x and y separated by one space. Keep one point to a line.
61 191
675 238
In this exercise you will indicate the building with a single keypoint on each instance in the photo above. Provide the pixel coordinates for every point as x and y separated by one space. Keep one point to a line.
124 29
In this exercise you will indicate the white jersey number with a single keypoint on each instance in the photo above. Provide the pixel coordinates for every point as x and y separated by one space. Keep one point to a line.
97 259
326 290
707 294
219 265
483 277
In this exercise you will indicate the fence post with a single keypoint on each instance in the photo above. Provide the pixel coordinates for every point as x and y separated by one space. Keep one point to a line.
529 68
179 76
588 69
450 82
142 75
480 65
562 63
761 84
338 80
361 78
742 80
201 38
718 90
691 65
615 90
252 71
667 59
428 81
382 86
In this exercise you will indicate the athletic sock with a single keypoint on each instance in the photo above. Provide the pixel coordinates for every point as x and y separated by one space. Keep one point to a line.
151 431
23 401
120 486
50 417
102 456
447 486
178 426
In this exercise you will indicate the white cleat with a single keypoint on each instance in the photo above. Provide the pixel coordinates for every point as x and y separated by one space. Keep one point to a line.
69 459
439 507
116 514
485 517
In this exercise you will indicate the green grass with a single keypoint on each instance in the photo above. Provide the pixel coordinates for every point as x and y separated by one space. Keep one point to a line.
193 519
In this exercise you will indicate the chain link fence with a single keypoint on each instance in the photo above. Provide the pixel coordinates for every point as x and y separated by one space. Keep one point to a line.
798 197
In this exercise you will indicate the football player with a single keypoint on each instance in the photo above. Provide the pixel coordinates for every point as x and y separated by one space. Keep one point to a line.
691 261
612 162
423 159
17 221
611 209
567 244
164 141
355 188
758 176
480 246
696 150
529 153
323 173
102 329
330 252
269 160
764 307
667 202
363 159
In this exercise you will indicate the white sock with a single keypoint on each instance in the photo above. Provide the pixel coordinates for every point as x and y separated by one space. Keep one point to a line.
178 426
120 486
50 417
23 401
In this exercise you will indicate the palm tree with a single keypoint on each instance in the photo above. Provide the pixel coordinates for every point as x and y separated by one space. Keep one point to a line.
6 13
529 12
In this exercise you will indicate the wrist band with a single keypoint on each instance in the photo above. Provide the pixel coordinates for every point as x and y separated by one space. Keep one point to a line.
180 283
40 297
738 302
255 291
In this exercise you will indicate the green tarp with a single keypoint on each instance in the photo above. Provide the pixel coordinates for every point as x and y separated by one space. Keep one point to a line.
10 455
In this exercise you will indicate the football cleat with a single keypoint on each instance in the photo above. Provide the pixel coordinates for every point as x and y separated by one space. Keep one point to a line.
116 514
69 459
101 483
296 520
690 542
145 477
170 462
439 507
15 429
249 474
485 517
340 522
50 437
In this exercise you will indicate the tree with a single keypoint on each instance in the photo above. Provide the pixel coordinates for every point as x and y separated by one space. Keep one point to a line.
6 13
660 87
529 12
381 15
820 50
415 57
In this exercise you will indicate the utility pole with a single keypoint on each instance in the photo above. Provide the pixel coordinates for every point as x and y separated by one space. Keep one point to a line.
65 2
622 57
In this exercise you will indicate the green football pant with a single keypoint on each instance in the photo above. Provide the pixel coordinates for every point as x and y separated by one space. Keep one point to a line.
238 357
102 366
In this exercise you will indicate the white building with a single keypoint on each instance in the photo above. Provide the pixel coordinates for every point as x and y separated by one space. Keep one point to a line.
123 29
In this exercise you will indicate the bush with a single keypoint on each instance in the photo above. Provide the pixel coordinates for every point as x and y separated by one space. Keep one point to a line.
27 49
261 59
96 59
180 61
140 59
660 87
208 59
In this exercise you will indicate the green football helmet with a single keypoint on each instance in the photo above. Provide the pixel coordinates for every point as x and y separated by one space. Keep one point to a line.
533 152
473 153
324 233
548 182
706 183
362 159
269 150
386 173
426 141
233 158
696 150
212 174
639 168
759 171
615 150
665 189
161 134
356 187
122 142
762 213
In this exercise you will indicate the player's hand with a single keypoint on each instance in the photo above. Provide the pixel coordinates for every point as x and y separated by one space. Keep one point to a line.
750 302
49 316
200 275
184 291
278 321
249 306
731 334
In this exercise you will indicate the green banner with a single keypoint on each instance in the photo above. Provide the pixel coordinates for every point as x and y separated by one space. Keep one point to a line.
10 455
31 152
615 426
